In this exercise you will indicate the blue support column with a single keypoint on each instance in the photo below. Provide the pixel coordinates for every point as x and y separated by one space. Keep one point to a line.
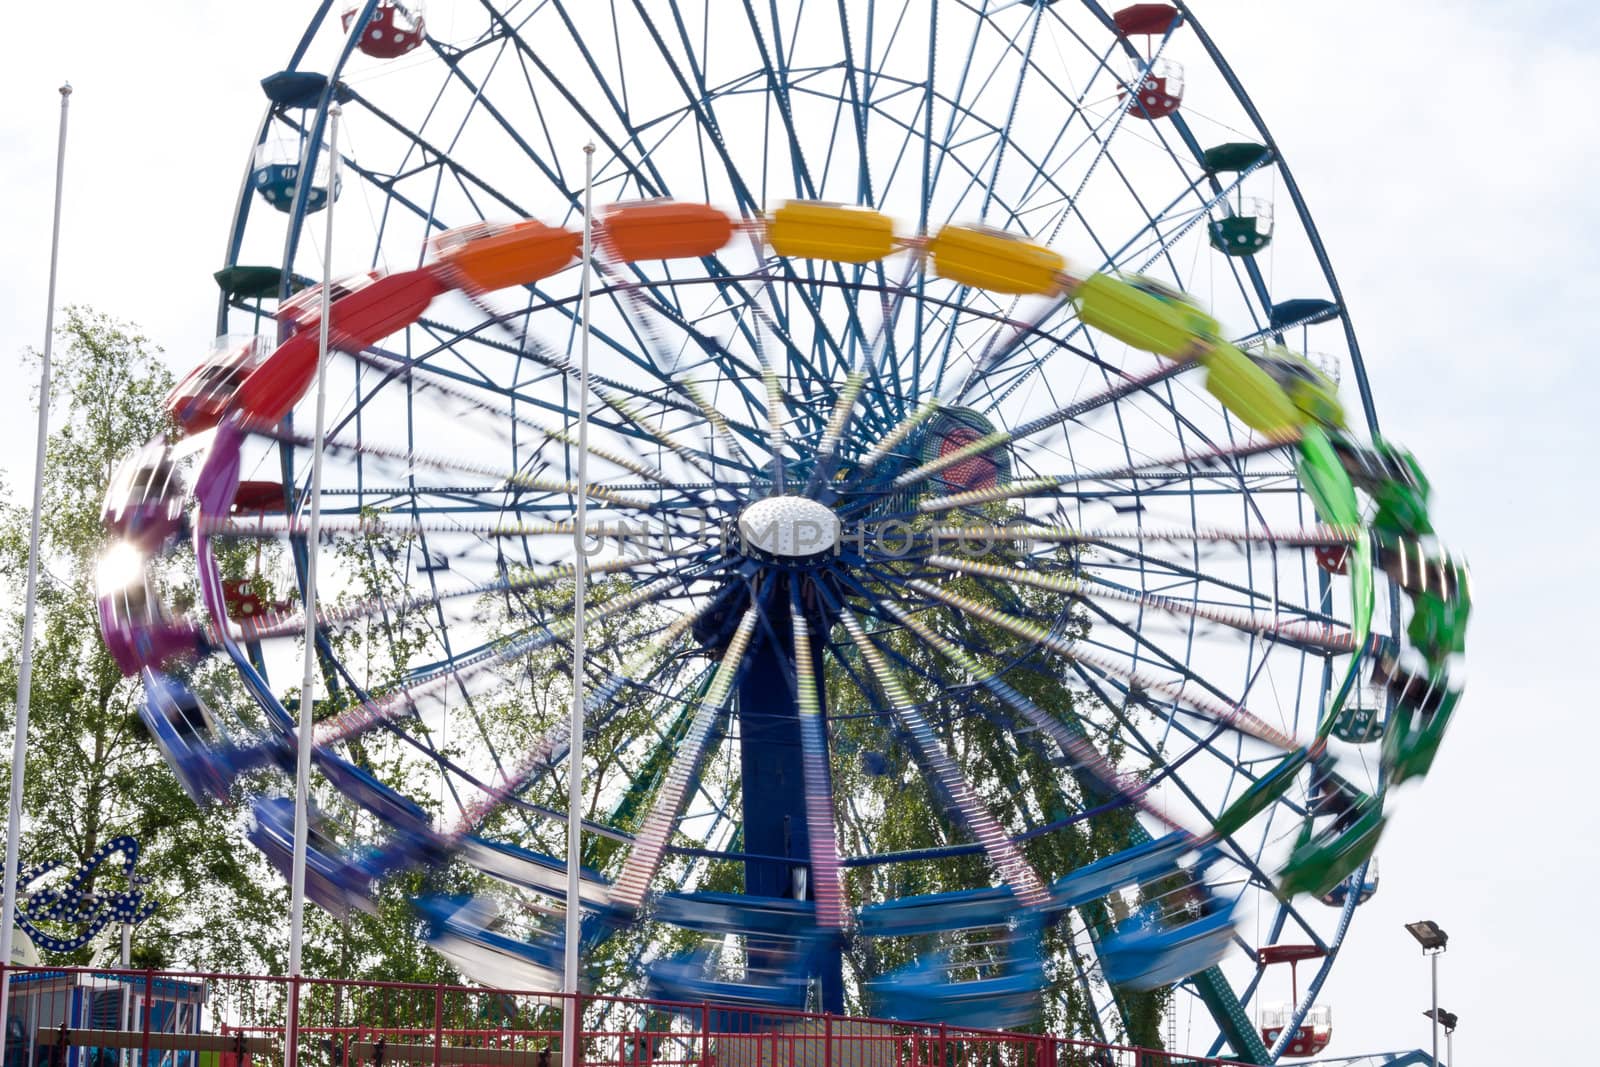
773 789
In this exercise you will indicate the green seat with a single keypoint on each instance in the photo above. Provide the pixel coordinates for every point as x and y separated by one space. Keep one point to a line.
1144 313
1322 859
1325 480
1414 736
1261 793
1438 624
1402 509
1240 235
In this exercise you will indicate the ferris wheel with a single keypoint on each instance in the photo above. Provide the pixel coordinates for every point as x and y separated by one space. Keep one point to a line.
999 591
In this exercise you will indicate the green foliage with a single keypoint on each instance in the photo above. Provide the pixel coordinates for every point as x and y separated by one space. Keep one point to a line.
92 772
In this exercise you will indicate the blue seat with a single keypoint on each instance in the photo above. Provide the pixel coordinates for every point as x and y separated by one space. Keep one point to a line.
185 732
397 811
533 870
1128 867
939 912
924 992
459 931
1145 954
334 881
734 913
690 978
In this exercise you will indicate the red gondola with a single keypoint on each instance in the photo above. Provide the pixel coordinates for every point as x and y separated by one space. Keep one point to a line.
241 602
1334 558
391 32
1157 83
1316 1029
304 308
198 401
1144 19
1160 89
259 498
359 319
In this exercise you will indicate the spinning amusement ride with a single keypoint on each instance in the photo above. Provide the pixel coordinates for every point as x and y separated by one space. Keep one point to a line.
980 620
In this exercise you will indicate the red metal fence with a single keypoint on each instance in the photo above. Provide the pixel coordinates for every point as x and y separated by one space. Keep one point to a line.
90 1017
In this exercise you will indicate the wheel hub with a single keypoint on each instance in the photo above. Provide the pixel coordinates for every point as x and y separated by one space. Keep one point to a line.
788 529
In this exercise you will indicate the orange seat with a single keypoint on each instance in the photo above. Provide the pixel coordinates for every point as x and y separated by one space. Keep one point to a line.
487 256
664 229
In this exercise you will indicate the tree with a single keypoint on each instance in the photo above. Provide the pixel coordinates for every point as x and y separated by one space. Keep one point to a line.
92 773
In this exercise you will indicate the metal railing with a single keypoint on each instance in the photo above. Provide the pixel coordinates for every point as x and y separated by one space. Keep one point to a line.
98 1017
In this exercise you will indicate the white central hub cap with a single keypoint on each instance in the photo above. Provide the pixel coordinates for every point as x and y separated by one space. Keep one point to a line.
789 527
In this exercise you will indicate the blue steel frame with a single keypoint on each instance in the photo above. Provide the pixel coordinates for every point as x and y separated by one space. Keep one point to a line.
897 377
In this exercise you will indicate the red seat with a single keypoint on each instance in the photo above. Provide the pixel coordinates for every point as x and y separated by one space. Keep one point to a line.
384 37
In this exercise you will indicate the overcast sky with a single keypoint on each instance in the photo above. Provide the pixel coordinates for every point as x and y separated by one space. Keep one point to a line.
1448 153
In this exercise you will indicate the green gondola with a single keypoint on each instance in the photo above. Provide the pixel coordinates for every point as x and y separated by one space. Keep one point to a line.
1413 738
1240 235
1261 793
1323 859
1357 725
1438 626
249 283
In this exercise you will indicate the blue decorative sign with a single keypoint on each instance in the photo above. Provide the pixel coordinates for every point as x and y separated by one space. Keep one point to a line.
72 905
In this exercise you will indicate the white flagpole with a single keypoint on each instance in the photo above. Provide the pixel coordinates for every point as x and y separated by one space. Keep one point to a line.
302 779
19 741
571 1017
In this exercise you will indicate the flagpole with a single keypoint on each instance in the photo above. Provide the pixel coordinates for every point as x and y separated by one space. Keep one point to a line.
303 740
19 741
571 1017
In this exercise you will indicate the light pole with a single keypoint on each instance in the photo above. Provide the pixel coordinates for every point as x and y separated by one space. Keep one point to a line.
19 724
1433 941
1448 1020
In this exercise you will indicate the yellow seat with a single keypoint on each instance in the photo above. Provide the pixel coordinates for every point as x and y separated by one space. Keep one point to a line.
1249 391
1144 313
807 229
995 260
1311 389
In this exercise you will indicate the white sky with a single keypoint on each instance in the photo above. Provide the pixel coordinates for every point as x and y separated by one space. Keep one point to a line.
1449 156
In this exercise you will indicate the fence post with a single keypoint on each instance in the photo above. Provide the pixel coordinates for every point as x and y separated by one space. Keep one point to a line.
944 1046
705 1034
827 1039
577 1031
438 1024
144 1040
